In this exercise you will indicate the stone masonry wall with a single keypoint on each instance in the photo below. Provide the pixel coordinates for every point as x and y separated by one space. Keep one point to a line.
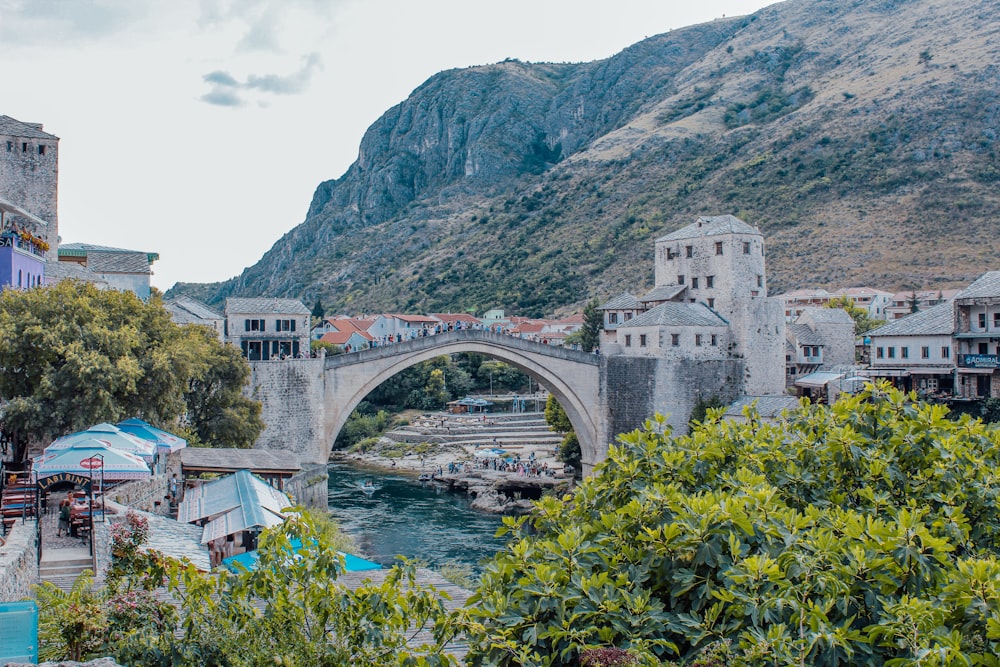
18 562
292 395
309 487
149 495
629 386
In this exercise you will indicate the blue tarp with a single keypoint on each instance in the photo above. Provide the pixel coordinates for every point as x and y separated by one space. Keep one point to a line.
249 561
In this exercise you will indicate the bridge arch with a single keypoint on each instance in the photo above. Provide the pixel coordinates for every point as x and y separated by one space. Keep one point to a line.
573 377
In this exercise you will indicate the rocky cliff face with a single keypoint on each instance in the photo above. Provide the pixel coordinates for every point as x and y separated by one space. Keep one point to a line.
860 137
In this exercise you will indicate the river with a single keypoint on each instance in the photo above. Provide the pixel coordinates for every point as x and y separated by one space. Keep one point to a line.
411 519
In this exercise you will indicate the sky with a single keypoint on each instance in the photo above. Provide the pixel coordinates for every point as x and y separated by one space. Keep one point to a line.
199 129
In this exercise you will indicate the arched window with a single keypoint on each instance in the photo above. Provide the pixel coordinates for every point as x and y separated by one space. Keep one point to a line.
19 278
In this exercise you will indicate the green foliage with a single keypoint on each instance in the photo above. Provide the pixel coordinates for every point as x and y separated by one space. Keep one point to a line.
318 311
863 322
864 533
71 626
990 410
701 408
593 324
328 347
361 427
556 417
292 611
72 356
570 452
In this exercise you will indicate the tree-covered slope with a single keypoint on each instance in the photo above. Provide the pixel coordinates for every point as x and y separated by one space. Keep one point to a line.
859 136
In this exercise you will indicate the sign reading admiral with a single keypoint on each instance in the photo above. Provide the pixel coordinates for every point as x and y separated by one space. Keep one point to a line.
980 361
46 483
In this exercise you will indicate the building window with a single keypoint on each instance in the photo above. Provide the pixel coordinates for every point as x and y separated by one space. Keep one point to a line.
41 149
715 339
675 339
760 281
694 282
711 302
612 318
642 340
982 320
10 146
754 292
709 282
688 251
925 352
628 316
628 340
946 352
904 352
996 319
680 280
880 353
984 348
718 247
24 146
284 325
253 325
697 340
892 353
746 247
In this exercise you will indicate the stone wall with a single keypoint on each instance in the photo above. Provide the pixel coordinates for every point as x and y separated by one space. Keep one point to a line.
309 487
149 495
18 562
292 396
29 179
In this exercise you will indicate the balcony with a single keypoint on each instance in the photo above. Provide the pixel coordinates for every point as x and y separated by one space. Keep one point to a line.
24 243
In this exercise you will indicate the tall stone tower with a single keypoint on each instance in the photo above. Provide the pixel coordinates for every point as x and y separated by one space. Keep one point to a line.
29 175
720 262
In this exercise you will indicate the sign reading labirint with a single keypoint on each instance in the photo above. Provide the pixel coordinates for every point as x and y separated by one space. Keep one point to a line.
46 483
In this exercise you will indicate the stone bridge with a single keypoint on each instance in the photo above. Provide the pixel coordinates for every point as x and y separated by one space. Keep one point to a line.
307 401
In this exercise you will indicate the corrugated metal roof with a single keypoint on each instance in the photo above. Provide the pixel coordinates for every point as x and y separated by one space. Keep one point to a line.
12 127
817 379
985 286
936 320
272 306
56 271
711 226
676 314
623 301
234 503
227 460
663 293
84 250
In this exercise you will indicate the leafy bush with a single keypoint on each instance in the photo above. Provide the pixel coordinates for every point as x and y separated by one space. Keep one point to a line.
865 533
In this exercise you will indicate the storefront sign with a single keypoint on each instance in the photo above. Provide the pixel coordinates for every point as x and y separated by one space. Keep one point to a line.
46 483
980 361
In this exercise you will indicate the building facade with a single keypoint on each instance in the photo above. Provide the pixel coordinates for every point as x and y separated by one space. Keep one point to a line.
266 328
29 175
977 337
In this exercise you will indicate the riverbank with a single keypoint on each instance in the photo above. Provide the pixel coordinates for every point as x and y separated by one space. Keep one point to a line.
502 460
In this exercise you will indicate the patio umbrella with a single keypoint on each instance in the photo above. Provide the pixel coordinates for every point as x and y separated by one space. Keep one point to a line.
164 441
81 457
113 437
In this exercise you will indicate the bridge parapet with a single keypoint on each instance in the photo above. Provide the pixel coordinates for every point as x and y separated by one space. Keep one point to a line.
451 337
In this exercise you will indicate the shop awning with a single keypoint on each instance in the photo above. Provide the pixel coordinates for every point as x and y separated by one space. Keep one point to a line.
886 373
933 370
818 379
976 371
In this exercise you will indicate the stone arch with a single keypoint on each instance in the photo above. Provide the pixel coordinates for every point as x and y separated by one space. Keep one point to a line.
572 377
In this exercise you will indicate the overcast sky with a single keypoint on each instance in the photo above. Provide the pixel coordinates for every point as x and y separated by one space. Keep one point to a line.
199 129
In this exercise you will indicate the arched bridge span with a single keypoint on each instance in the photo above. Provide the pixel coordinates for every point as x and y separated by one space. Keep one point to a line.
573 377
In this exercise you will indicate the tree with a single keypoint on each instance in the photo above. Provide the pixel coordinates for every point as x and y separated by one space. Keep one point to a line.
914 302
593 324
558 421
291 610
863 533
863 322
318 311
72 356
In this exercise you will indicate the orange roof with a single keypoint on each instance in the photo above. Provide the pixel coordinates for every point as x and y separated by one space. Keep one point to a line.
337 337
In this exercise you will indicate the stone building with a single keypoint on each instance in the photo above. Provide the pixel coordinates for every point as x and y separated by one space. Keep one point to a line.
29 174
712 273
185 310
267 328
117 268
977 337
916 352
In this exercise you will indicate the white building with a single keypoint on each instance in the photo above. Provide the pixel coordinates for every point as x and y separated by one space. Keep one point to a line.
916 352
977 337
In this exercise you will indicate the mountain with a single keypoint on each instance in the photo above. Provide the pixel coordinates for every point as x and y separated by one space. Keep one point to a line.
859 135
